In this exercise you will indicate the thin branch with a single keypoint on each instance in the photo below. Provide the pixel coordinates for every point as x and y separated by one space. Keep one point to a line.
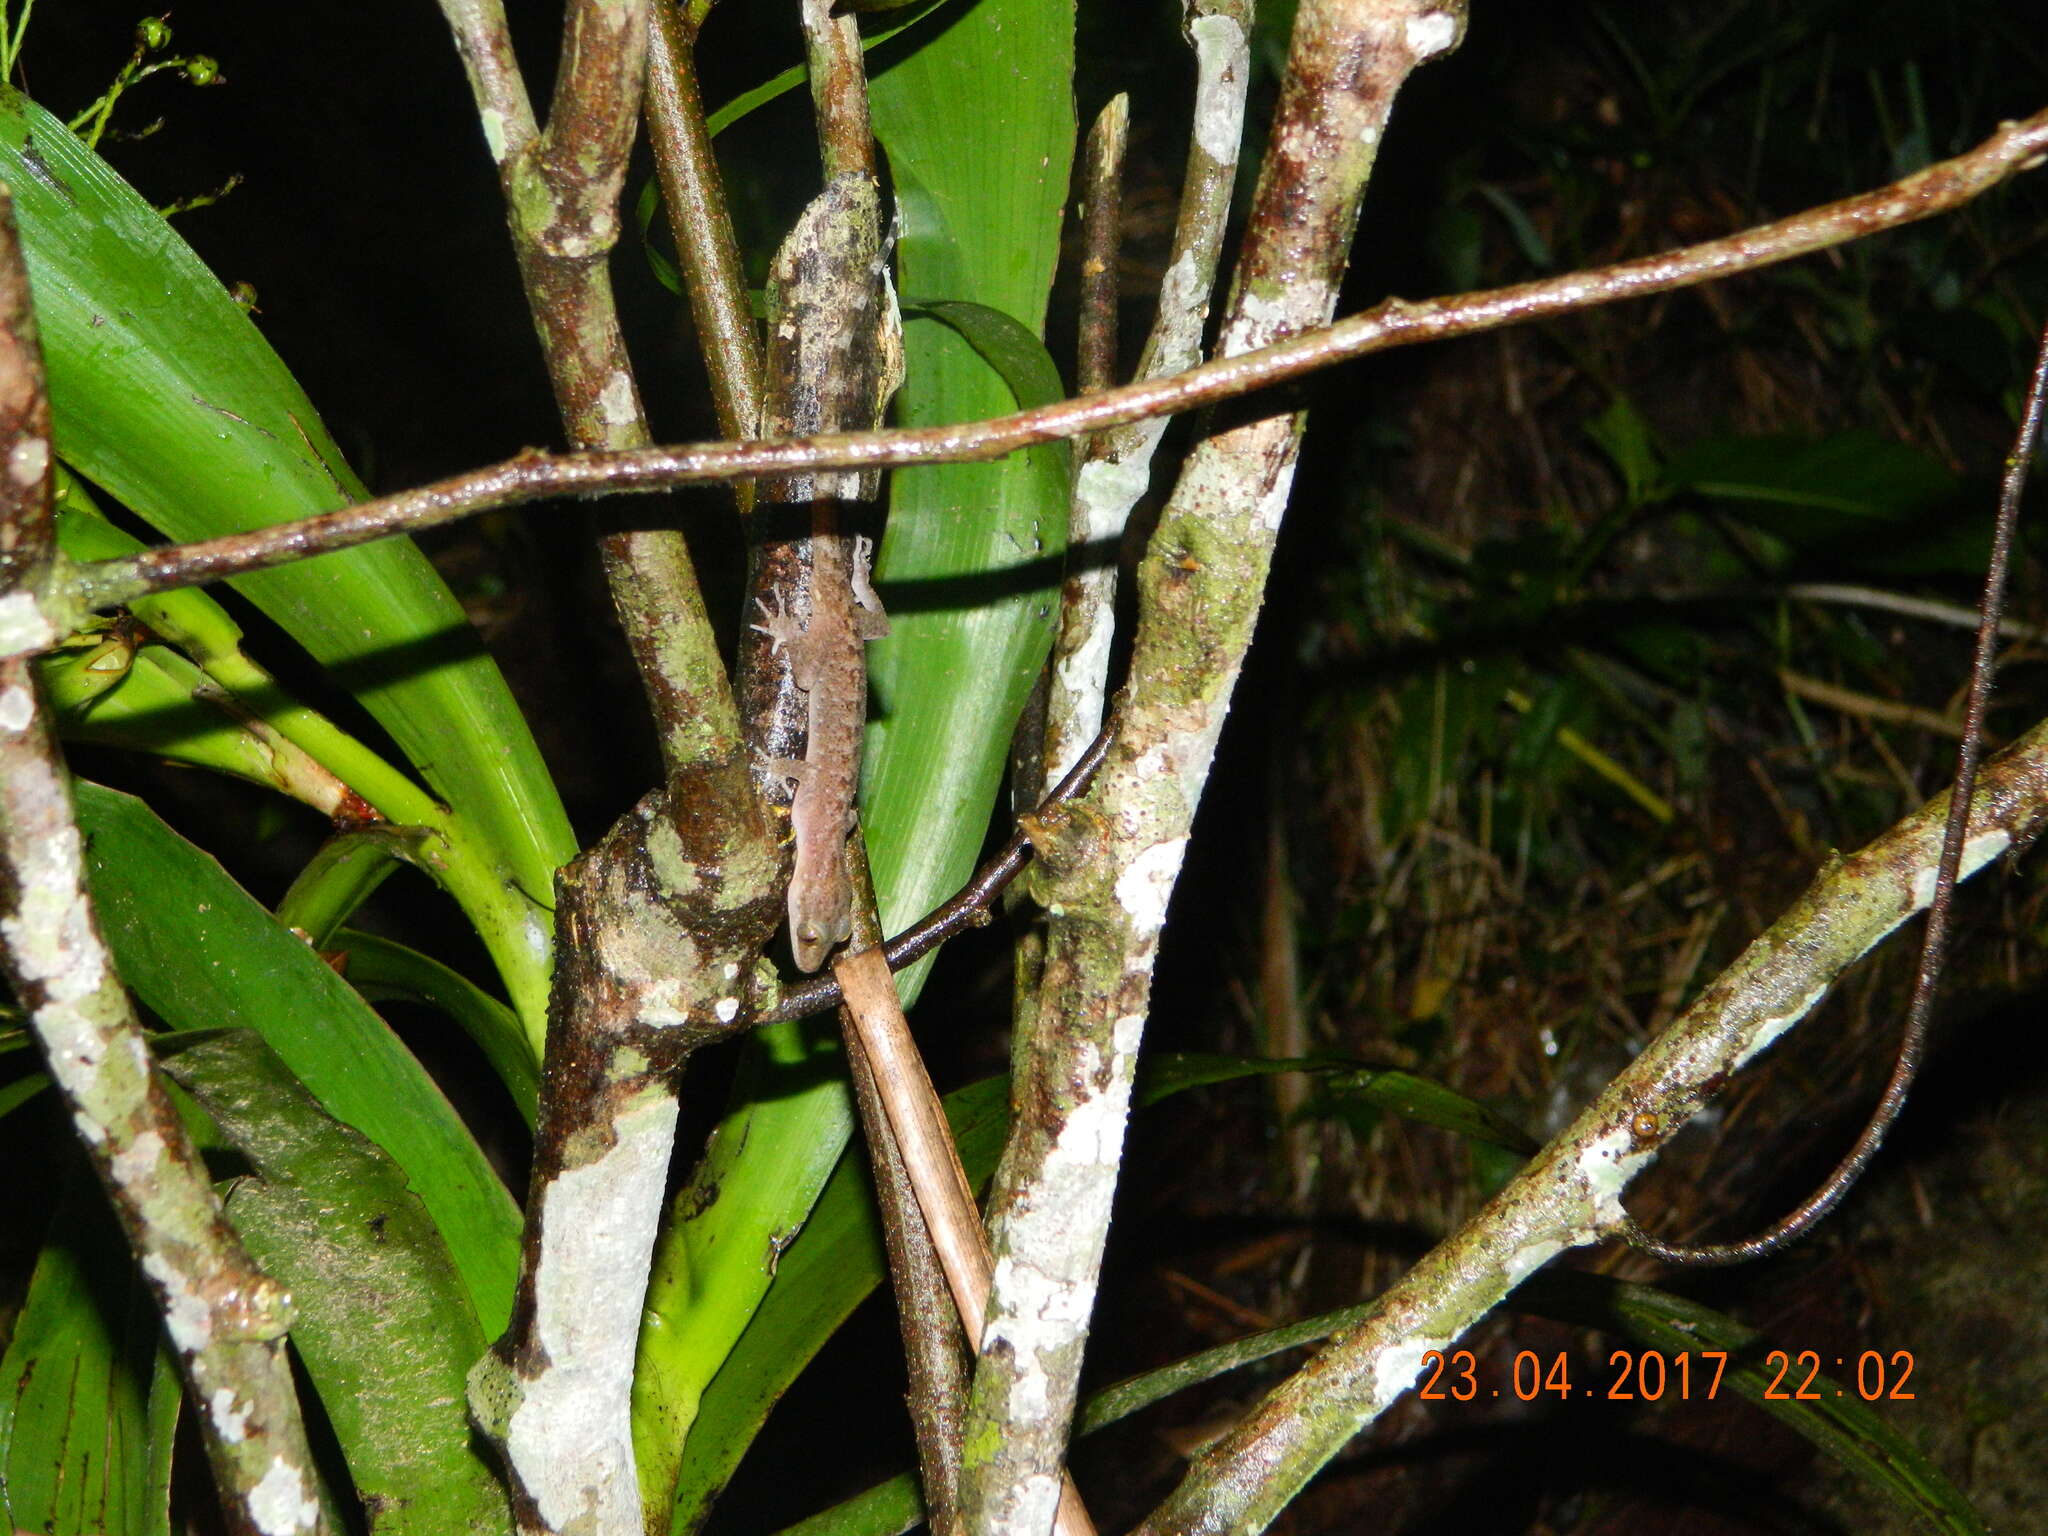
1102 210
934 1352
535 476
969 906
642 974
1934 945
1107 885
1932 610
693 196
1569 1195
1116 466
225 1319
874 1015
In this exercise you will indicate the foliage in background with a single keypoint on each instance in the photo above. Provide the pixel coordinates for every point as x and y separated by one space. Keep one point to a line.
1538 672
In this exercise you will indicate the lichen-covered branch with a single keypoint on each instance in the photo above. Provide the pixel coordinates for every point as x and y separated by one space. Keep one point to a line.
1107 876
659 924
1116 466
225 1319
530 477
1570 1193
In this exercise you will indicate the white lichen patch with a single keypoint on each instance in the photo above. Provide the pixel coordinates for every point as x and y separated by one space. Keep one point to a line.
1977 852
1222 62
28 461
1399 1366
1144 889
138 1160
1183 306
1126 1034
1034 1503
1773 1025
186 1316
663 1004
1105 491
1431 33
494 133
616 403
598 1221
1045 1284
1263 318
17 707
1273 503
282 1503
1527 1259
1607 1163
230 1418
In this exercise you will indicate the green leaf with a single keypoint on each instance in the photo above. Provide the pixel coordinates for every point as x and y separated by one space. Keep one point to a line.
1027 370
202 953
75 1452
1843 1427
1400 1093
1853 501
341 876
837 1260
1625 437
166 1398
20 1091
1840 1423
978 124
164 393
158 704
796 75
384 1326
383 969
830 1268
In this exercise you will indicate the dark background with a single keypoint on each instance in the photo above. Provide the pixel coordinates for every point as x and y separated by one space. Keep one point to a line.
1463 900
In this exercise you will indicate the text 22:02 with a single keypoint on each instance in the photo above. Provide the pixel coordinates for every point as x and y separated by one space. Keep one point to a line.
1650 1375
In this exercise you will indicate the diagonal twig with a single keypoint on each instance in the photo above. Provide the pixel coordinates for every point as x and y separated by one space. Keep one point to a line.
536 476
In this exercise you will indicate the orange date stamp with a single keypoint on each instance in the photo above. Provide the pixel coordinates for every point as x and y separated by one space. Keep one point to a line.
1648 1375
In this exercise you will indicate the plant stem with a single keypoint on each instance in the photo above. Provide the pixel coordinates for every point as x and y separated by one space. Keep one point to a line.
226 1320
1569 1194
643 975
1107 883
534 476
1116 466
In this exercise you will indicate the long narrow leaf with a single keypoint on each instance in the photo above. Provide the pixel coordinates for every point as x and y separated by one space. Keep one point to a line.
824 1275
75 1382
383 969
384 1327
202 953
164 393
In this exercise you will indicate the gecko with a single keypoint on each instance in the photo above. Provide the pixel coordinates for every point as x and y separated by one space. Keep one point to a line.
834 357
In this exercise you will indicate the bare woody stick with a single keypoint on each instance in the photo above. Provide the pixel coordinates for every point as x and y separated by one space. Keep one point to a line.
225 1318
536 476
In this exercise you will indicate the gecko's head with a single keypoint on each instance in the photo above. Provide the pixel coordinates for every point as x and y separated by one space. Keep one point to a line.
812 938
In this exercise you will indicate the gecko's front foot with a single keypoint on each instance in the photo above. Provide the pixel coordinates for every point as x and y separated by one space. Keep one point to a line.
782 627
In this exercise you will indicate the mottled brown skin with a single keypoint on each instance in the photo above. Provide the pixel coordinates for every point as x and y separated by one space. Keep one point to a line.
835 357
826 658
